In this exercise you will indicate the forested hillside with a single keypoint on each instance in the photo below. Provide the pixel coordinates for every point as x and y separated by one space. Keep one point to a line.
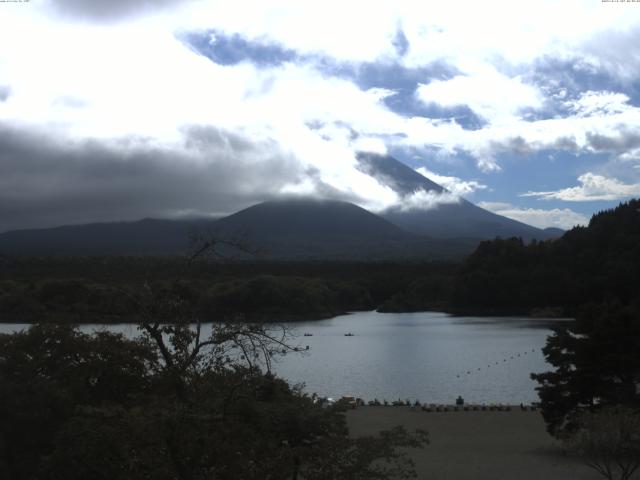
600 262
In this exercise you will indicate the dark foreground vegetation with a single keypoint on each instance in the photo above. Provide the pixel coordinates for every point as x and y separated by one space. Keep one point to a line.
169 406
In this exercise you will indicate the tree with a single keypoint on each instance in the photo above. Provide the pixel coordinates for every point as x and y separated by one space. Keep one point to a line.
596 364
47 373
609 441
173 404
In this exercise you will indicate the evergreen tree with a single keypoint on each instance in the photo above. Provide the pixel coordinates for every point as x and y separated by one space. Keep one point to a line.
597 363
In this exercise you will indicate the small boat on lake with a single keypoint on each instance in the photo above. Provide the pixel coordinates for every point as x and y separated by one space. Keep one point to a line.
308 334
348 334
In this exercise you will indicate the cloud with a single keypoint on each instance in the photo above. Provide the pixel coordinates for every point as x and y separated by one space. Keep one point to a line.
592 187
593 103
426 200
105 11
631 156
495 97
400 42
46 182
624 140
233 49
559 218
167 86
300 86
608 51
454 185
596 124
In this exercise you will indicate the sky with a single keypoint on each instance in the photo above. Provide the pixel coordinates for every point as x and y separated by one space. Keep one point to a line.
125 109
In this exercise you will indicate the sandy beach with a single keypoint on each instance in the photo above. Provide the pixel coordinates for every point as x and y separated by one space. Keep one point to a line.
489 445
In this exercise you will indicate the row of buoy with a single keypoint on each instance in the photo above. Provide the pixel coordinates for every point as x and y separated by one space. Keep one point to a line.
504 360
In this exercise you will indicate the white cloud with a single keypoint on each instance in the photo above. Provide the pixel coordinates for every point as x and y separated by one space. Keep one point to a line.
370 144
426 200
134 78
492 95
151 86
592 187
594 114
455 185
608 50
631 156
558 217
592 103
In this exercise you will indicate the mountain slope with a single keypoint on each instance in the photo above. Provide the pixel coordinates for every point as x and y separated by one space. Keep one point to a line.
143 237
447 220
306 218
308 228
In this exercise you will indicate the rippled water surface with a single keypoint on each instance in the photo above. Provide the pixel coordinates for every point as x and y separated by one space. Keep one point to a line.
428 356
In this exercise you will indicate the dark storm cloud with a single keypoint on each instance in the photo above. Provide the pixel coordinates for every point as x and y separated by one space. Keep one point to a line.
44 182
109 10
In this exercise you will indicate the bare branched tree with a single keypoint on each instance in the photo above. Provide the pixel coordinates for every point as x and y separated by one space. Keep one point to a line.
171 321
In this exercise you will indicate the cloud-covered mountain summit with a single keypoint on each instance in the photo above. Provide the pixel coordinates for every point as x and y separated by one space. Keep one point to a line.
441 214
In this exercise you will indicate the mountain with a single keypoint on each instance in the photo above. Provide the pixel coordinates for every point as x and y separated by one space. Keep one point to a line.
554 232
308 219
446 220
143 237
292 229
321 229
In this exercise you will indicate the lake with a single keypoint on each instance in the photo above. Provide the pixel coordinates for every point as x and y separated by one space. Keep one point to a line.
429 356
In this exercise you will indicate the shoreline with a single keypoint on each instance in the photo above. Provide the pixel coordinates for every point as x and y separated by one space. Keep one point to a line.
72 319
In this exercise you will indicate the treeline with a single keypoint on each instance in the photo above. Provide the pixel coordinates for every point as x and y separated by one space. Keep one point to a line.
110 289
598 263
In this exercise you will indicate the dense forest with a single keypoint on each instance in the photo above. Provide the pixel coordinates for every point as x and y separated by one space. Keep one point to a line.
108 289
596 263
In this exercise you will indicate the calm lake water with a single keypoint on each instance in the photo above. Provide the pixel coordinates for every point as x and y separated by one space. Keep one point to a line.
429 356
